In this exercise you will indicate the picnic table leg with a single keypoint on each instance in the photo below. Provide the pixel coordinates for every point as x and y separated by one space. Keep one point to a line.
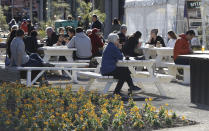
160 89
89 84
186 76
28 78
46 58
74 77
38 76
107 87
69 58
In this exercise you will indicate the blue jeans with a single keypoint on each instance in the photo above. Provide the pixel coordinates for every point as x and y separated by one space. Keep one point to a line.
34 61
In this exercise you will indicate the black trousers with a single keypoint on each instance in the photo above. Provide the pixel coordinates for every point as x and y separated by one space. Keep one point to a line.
182 61
123 74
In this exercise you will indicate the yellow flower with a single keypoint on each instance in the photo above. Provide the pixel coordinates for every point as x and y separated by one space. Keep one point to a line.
183 118
146 100
83 128
34 118
8 122
166 104
52 117
81 118
45 123
64 125
150 99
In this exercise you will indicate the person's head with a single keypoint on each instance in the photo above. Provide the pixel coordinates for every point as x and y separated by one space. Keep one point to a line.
71 32
61 30
70 17
154 33
79 18
49 31
61 38
79 30
20 33
28 21
88 32
113 38
172 35
123 29
137 35
14 27
115 21
34 33
94 18
190 34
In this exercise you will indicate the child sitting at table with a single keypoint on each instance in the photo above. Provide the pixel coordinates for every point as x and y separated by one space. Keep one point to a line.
61 40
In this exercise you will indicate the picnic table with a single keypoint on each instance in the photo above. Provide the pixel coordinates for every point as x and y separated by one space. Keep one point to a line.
149 76
2 51
199 78
201 52
57 51
159 54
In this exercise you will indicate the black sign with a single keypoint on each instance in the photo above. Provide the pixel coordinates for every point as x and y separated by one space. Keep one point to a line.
193 4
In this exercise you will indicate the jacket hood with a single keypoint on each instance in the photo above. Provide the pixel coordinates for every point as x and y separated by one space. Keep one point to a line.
80 35
182 36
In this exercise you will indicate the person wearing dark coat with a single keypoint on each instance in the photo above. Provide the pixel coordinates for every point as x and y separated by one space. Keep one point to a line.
31 44
30 27
96 23
132 44
52 37
155 39
122 34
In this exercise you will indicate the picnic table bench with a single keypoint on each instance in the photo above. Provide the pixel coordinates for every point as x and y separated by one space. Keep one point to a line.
13 73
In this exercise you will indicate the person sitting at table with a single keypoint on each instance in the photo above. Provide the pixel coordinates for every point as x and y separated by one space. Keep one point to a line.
182 47
31 43
19 56
70 32
52 38
122 34
88 32
110 57
83 45
156 40
96 42
61 40
61 31
132 45
172 39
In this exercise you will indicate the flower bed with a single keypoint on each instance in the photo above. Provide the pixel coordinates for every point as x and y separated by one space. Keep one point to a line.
48 108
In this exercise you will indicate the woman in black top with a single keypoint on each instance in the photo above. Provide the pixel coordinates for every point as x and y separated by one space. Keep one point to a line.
132 44
155 39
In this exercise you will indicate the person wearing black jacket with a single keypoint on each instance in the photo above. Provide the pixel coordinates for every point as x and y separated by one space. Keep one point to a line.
131 44
30 27
52 37
96 23
122 35
155 39
31 44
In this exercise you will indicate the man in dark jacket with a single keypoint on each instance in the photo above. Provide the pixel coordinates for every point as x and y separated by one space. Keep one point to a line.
96 23
122 34
30 27
52 37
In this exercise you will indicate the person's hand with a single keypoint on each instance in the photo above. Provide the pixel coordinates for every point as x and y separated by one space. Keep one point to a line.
139 44
120 46
58 43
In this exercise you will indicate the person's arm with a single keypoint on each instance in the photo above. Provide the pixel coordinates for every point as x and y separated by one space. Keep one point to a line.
182 47
71 44
117 53
162 42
